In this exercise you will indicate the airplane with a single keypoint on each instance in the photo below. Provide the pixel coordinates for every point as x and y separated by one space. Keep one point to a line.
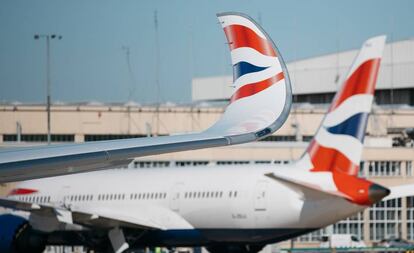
232 209
255 112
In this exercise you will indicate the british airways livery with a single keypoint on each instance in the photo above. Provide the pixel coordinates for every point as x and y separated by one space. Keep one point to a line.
225 208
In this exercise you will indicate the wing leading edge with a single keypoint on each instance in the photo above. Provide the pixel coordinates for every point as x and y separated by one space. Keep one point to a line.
258 107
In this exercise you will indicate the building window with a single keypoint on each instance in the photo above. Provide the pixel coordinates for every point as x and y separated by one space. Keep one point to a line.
353 225
106 137
410 218
409 168
382 168
39 137
385 219
280 138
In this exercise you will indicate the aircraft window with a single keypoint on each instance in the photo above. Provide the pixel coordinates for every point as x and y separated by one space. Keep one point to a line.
207 194
152 195
230 194
235 194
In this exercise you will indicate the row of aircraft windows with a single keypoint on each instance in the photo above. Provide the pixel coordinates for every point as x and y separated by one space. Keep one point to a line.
119 196
152 164
156 195
35 199
214 194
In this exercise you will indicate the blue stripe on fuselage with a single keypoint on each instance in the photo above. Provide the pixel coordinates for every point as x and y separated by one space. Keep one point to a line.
354 126
203 237
243 68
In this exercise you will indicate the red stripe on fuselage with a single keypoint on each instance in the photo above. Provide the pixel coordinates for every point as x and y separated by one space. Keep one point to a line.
22 191
253 88
328 159
361 81
241 36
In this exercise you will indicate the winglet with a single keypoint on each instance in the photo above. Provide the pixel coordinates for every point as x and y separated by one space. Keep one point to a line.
262 95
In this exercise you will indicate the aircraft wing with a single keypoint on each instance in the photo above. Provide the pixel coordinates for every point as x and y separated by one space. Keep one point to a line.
400 191
146 217
259 106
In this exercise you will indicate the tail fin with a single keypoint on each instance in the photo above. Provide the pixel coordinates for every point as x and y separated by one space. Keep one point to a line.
339 141
337 146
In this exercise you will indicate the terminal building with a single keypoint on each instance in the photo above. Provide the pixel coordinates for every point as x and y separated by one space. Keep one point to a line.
387 159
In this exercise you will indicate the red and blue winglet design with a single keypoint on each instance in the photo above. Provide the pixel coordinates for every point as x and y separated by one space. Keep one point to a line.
260 78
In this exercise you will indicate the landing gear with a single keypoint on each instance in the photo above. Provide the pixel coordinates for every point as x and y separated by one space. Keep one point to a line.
236 248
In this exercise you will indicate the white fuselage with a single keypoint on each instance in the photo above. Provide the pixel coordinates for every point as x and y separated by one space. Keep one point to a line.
208 198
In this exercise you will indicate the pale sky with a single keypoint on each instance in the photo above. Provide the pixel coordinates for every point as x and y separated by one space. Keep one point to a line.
88 64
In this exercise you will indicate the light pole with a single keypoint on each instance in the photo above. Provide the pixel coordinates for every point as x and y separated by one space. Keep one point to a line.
48 37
